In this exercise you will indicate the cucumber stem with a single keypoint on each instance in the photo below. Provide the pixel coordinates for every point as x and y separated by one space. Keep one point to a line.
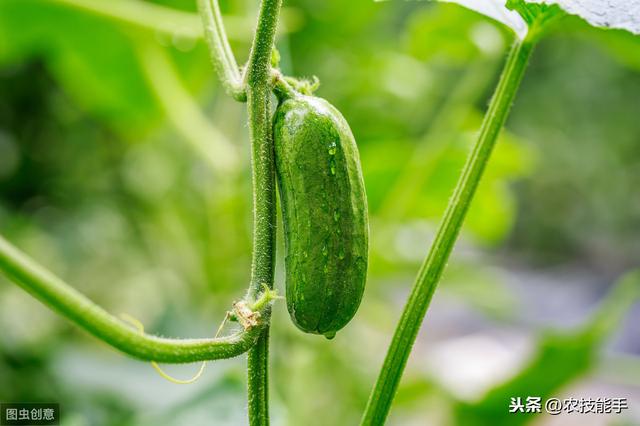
220 50
385 388
264 198
68 302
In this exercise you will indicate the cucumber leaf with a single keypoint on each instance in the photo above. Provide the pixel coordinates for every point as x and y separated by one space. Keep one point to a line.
529 18
618 14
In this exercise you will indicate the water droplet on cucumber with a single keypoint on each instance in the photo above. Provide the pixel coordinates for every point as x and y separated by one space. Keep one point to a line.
330 335
332 167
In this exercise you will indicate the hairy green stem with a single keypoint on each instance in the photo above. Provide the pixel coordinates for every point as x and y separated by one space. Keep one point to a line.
264 196
221 54
67 301
430 272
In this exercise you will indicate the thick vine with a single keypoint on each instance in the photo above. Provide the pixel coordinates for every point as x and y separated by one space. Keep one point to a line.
264 196
73 305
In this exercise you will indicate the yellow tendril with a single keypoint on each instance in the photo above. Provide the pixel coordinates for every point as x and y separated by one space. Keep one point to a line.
222 324
138 325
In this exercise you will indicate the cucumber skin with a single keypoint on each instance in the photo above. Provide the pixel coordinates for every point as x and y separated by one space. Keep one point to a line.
324 210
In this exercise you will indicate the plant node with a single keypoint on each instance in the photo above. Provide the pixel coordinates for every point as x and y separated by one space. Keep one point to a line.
243 314
248 313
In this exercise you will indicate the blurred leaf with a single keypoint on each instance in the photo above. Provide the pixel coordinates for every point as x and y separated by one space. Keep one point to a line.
496 10
483 288
143 14
221 400
625 47
453 33
560 358
204 138
493 209
90 57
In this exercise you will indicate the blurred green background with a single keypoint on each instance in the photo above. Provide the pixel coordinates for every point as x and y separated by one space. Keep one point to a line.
112 174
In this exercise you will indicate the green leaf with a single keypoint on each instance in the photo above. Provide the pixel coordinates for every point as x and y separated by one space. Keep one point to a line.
455 35
493 214
620 14
90 58
528 18
559 359
531 18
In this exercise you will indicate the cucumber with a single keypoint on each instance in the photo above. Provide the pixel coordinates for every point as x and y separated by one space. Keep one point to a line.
324 210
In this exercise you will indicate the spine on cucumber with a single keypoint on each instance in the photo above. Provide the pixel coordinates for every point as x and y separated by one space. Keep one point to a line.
324 210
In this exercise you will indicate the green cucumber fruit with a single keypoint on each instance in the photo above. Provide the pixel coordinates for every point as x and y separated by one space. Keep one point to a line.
324 210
